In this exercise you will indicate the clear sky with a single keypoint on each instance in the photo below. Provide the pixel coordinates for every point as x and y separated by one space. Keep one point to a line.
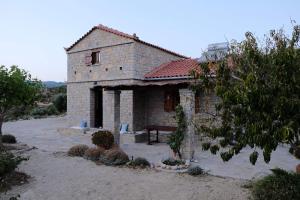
34 32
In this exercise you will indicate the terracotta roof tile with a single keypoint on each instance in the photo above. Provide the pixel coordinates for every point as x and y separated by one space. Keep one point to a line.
179 68
119 33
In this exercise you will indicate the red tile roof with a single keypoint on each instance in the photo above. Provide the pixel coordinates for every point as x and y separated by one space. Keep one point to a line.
119 33
174 69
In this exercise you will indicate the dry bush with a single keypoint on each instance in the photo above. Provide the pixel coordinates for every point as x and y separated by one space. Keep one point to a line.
114 157
78 150
93 153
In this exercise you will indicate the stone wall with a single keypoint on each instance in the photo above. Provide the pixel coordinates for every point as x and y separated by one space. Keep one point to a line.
116 58
147 58
126 108
207 105
79 104
111 112
154 107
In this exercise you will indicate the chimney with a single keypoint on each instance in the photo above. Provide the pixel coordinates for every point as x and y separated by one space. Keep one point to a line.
135 36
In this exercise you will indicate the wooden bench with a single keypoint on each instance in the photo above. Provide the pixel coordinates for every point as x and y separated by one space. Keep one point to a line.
157 129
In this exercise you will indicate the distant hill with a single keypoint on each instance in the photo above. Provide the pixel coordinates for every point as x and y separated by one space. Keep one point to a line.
53 84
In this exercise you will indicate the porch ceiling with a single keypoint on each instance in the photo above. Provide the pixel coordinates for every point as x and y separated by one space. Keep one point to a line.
141 84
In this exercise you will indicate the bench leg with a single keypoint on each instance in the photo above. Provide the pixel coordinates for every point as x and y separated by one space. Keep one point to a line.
157 136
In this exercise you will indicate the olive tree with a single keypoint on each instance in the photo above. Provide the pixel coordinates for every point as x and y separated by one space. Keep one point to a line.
17 88
258 85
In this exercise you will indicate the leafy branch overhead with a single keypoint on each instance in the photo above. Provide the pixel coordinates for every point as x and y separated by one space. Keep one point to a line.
259 89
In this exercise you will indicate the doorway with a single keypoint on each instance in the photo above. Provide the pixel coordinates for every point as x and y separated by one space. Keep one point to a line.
98 108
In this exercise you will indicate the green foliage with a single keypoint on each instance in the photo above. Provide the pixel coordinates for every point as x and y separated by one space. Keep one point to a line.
224 143
139 162
44 111
213 149
17 88
8 138
226 155
114 157
205 146
173 162
175 139
258 88
93 153
103 139
195 171
78 150
60 102
253 157
18 112
277 186
9 162
297 152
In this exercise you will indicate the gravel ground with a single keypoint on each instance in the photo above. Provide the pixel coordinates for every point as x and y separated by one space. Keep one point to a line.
57 176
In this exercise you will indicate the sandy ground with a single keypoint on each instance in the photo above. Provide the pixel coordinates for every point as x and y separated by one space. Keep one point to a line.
57 176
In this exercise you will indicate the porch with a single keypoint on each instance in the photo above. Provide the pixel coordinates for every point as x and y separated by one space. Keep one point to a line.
144 106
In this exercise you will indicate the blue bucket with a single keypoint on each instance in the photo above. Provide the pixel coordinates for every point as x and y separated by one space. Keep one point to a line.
83 124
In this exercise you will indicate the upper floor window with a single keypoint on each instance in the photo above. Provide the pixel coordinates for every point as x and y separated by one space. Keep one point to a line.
92 58
95 57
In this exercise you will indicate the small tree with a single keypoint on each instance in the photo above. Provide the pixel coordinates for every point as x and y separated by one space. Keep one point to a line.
60 102
259 91
175 140
17 88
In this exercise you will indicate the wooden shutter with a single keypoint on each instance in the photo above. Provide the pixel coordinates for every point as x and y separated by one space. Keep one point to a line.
168 102
88 59
171 100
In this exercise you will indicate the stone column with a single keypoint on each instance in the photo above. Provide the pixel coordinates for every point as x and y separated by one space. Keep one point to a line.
126 108
111 112
187 101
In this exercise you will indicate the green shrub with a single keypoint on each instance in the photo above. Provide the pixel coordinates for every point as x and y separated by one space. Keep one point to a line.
173 162
291 150
103 139
44 111
78 150
9 162
19 112
224 143
114 157
214 149
9 139
277 186
297 152
195 171
60 102
93 153
205 146
226 156
140 162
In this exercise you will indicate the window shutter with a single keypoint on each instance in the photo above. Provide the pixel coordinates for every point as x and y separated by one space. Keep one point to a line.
168 102
171 100
88 59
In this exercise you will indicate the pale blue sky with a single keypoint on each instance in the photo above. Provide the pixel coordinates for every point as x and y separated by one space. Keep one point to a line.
34 32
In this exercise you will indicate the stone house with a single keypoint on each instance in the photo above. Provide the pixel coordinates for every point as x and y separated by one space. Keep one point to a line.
114 78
